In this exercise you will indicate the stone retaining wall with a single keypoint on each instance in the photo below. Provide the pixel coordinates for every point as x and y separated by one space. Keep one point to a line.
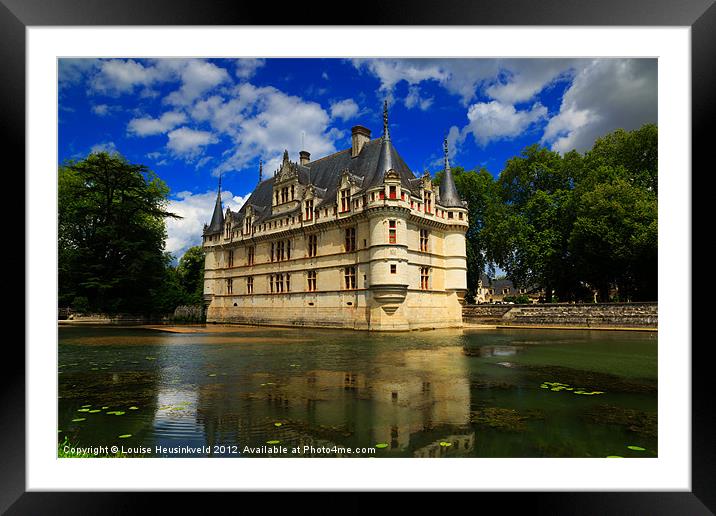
625 315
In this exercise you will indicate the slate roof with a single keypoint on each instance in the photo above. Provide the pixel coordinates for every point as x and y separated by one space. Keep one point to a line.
325 175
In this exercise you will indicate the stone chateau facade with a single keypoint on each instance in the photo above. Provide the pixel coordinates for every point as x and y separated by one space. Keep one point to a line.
350 240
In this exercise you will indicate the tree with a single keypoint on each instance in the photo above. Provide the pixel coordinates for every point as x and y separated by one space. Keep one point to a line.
111 233
191 275
477 188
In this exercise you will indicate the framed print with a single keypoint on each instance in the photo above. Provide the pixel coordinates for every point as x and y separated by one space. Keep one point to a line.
296 163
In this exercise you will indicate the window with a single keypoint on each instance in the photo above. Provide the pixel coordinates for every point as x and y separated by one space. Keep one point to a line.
393 268
345 200
427 199
273 254
293 192
271 285
279 251
459 215
312 245
309 210
288 283
311 281
350 240
230 286
279 283
349 276
381 194
230 258
250 255
288 249
424 277
392 192
392 230
450 215
424 240
250 285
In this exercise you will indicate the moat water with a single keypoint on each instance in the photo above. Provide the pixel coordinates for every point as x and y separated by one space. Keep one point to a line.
447 393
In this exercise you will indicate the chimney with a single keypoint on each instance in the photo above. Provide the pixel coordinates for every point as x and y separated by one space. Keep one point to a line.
361 136
304 157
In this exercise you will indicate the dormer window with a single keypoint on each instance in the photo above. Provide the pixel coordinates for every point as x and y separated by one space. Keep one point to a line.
392 192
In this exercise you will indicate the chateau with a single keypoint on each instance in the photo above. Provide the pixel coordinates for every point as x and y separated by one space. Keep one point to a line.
350 240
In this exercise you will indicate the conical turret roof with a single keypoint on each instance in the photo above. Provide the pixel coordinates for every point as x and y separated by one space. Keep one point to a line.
448 191
217 219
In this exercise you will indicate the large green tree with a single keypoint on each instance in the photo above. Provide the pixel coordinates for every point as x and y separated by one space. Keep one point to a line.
190 272
111 217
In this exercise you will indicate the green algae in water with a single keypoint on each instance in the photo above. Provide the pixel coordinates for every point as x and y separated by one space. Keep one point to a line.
273 441
636 448
381 445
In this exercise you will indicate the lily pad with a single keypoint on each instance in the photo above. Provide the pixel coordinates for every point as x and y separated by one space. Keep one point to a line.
273 441
105 408
133 408
614 457
83 410
381 445
277 424
636 448
94 411
78 419
124 436
212 374
85 406
445 444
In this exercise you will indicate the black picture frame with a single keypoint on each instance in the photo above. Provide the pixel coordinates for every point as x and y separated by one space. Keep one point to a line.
17 15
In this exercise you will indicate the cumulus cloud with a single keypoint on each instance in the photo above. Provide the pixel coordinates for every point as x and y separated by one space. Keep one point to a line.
246 67
345 109
195 210
520 80
117 76
147 126
108 147
606 94
189 143
414 99
73 71
262 122
197 78
494 120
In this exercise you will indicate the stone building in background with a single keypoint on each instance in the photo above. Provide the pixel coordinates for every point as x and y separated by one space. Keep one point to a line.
350 240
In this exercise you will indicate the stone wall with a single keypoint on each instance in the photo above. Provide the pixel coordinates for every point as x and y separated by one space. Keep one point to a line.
623 315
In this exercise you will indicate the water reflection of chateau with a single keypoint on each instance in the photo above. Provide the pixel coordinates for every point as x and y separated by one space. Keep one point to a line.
411 399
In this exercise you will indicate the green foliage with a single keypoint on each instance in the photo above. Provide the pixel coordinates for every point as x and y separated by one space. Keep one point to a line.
111 234
522 299
569 224
190 272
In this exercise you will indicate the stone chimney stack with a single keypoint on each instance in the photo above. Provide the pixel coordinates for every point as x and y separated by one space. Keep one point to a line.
304 157
361 136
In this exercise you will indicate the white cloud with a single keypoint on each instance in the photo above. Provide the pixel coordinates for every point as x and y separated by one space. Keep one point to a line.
262 122
494 120
197 78
520 80
101 109
415 99
73 71
147 126
189 143
606 94
345 109
196 210
246 67
108 147
325 75
117 76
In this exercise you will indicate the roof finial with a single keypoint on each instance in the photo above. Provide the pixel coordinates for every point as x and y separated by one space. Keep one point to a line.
220 183
285 156
386 132
261 171
447 159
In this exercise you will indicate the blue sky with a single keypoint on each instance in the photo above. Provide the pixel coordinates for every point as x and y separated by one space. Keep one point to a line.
190 120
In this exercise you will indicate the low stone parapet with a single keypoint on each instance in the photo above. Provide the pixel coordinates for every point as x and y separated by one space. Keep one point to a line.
623 315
